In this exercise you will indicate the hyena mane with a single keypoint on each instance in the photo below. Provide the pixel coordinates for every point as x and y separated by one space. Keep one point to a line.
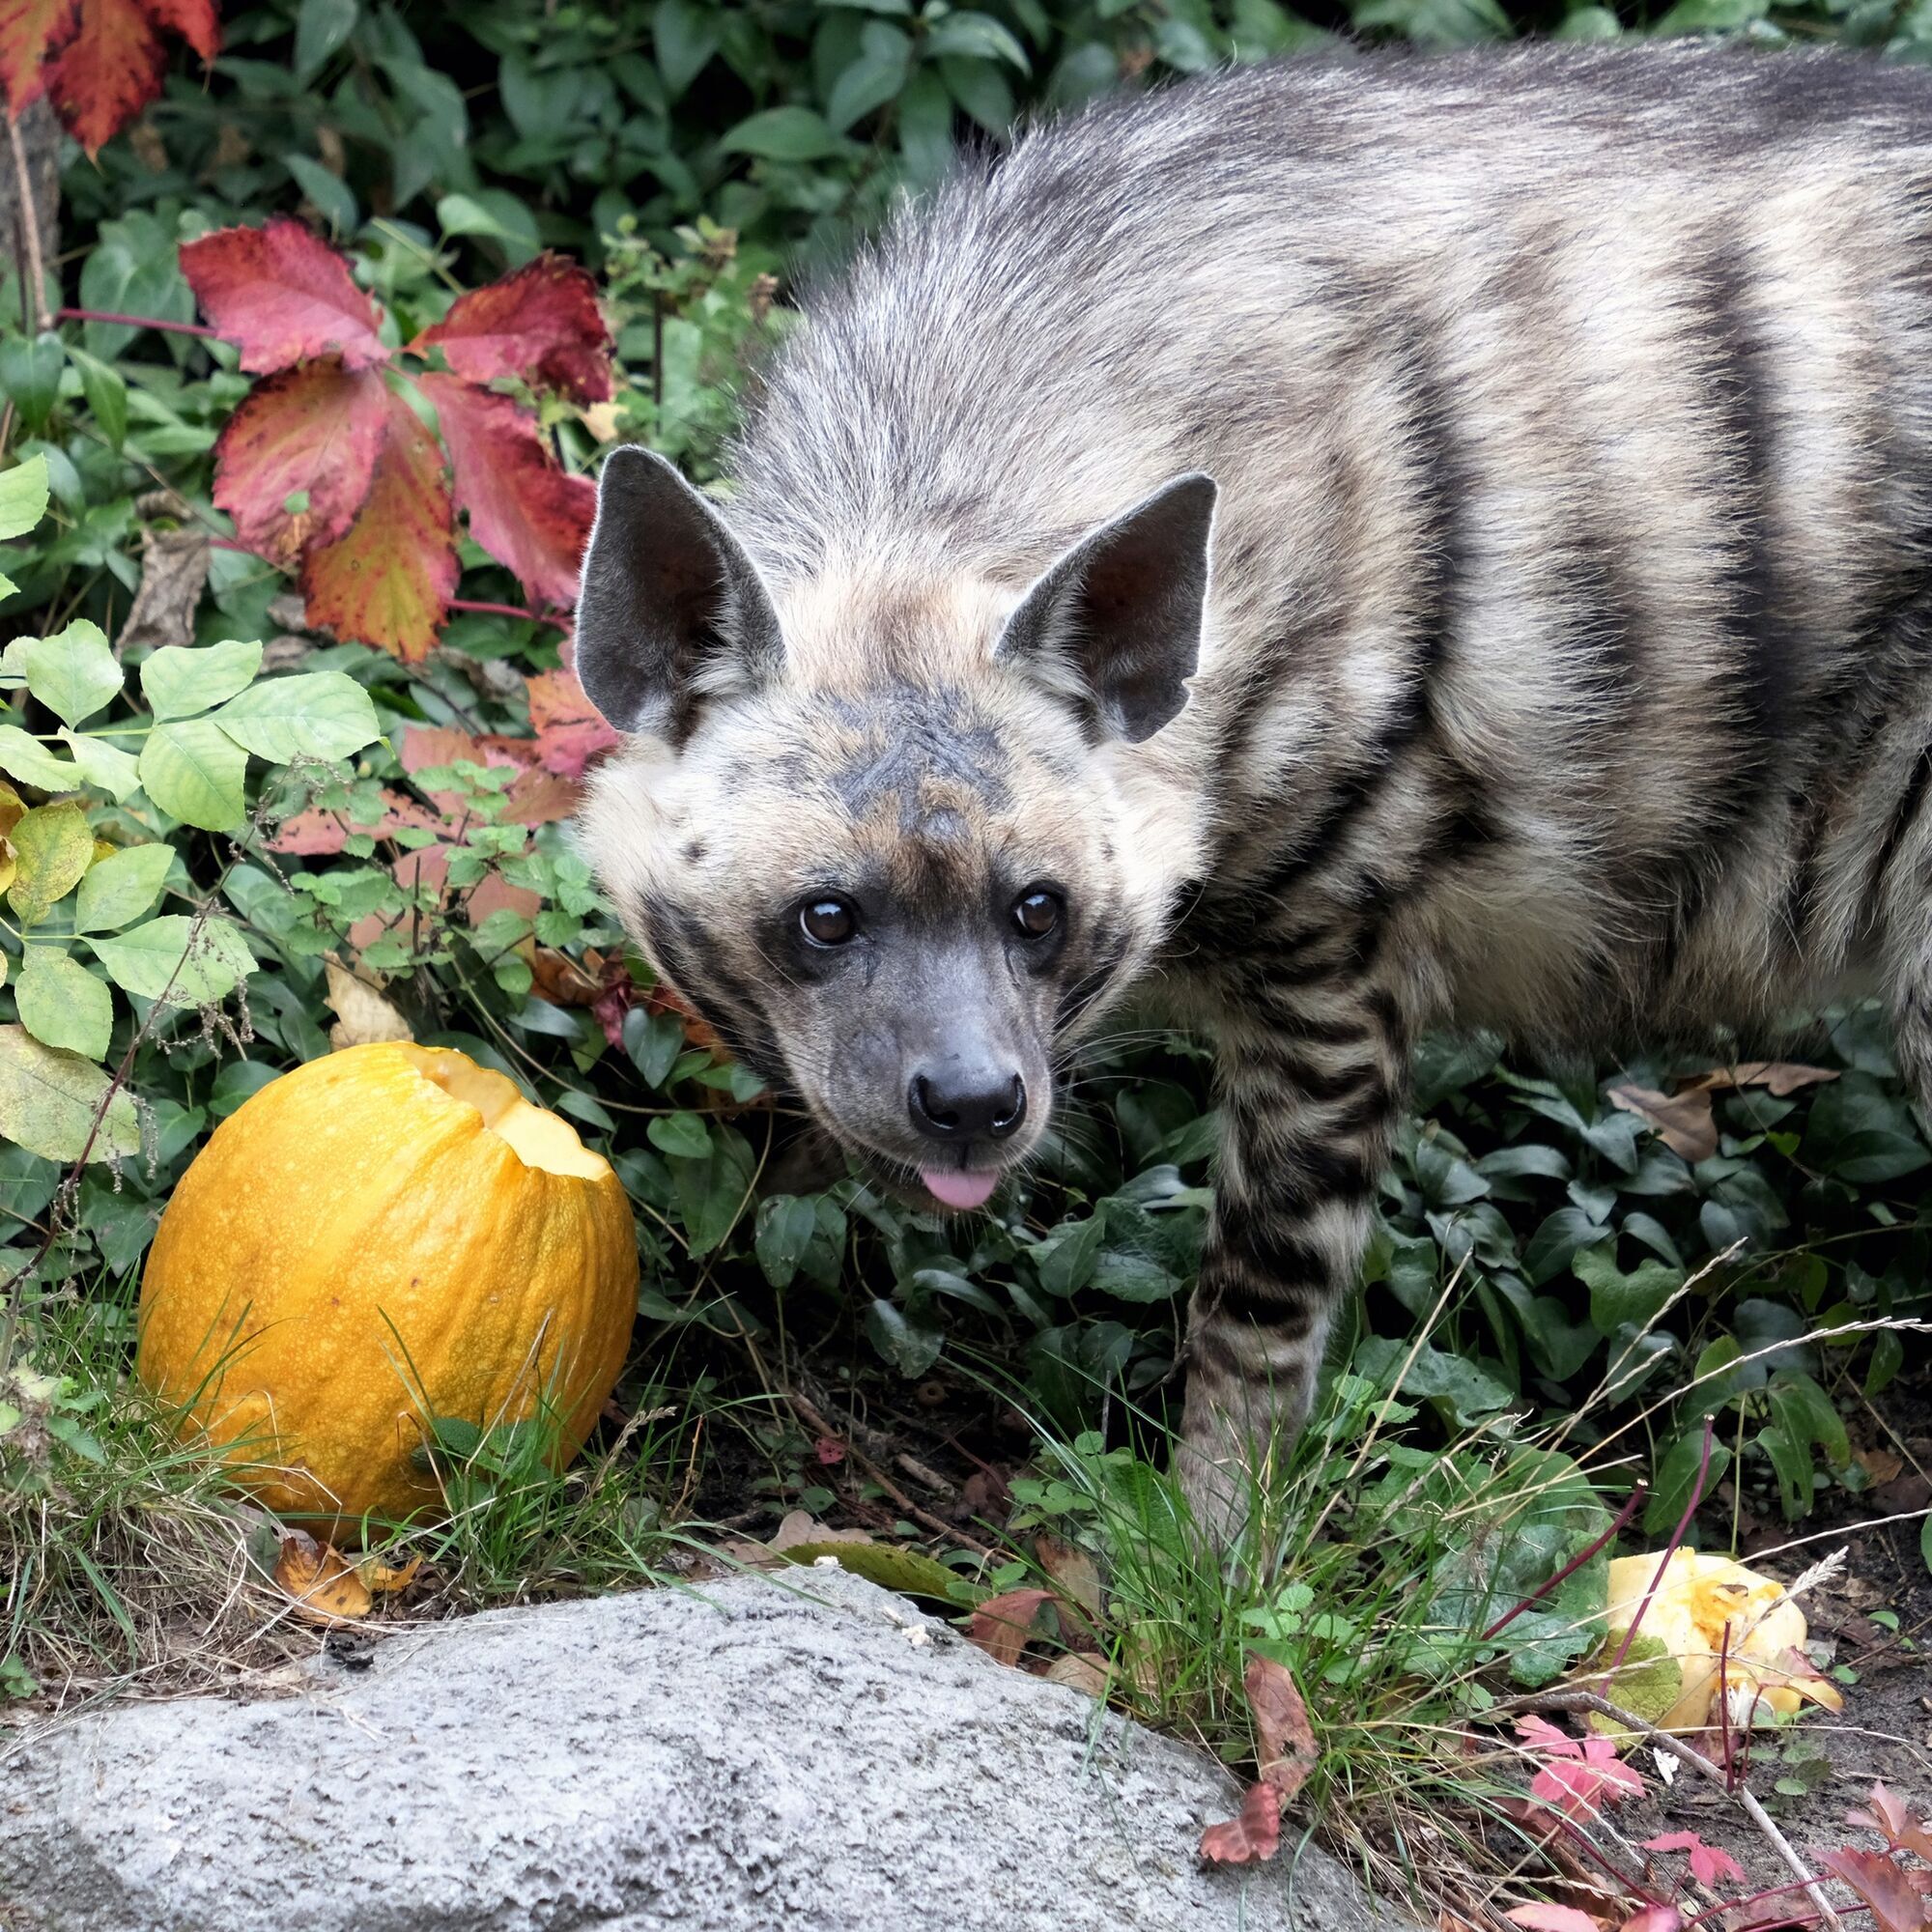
1347 547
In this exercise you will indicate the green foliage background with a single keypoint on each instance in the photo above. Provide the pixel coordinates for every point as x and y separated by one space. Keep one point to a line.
693 155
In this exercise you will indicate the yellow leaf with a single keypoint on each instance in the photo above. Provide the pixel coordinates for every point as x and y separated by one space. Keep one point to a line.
362 1014
320 1581
52 847
12 808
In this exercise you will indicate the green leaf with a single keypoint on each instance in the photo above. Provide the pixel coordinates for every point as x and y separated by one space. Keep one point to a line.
787 1224
115 772
1806 1415
1065 1261
1925 1541
908 1571
24 757
320 27
781 134
54 847
1453 1387
30 374
179 680
194 770
654 1041
685 35
73 673
680 1133
49 1100
1676 1474
24 502
1791 1463
977 37
909 1348
1618 1300
106 393
62 1004
121 887
167 957
322 714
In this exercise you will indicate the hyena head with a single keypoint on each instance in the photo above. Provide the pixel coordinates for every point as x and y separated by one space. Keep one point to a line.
872 826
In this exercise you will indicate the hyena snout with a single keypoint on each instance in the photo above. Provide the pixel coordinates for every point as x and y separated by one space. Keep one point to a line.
959 1099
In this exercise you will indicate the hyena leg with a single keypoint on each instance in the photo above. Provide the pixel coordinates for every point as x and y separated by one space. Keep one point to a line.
1308 1114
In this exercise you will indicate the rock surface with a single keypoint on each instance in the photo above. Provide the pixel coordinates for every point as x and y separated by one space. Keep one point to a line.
807 1754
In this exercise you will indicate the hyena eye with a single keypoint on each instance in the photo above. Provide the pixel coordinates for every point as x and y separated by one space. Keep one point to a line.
1037 913
828 921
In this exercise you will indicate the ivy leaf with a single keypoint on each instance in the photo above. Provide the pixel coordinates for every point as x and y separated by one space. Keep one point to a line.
62 1004
23 757
309 435
167 957
193 770
281 295
318 714
910 1348
570 730
541 324
787 1224
49 1101
53 847
24 502
121 887
73 673
524 508
116 772
180 680
389 577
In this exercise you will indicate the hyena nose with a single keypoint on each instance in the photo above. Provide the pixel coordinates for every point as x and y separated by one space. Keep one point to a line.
965 1103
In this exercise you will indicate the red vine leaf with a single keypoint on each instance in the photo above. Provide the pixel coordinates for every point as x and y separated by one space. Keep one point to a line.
570 730
524 508
388 580
1253 1835
1709 1863
1894 1823
541 324
280 294
1896 1902
310 432
29 31
100 60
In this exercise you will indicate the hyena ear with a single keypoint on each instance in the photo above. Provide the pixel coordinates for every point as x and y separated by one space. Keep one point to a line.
670 607
1115 623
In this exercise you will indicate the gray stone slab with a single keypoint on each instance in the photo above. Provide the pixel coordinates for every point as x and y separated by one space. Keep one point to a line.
809 1754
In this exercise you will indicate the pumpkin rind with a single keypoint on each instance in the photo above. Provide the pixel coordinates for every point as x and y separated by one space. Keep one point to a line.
356 1251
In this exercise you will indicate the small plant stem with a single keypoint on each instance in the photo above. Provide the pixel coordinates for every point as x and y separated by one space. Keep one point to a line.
33 269
132 321
1669 1550
1576 1563
1725 1744
507 611
1588 1700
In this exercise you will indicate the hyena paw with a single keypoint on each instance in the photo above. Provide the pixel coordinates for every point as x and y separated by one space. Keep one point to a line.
1212 1461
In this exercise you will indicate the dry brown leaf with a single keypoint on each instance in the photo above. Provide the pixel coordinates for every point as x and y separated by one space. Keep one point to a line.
1287 1751
322 1583
362 1014
1682 1121
1072 1570
174 574
564 981
384 1579
1001 1625
1080 1672
1252 1836
798 1527
1778 1077
1880 1465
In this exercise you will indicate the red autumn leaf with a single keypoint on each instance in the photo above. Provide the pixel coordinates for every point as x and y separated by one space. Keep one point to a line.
1895 1903
387 580
1889 1818
1553 1919
29 30
318 832
313 431
1708 1862
100 60
1001 1625
542 324
1580 1774
1287 1748
429 869
524 508
535 797
570 730
1655 1918
1252 1836
829 1450
281 295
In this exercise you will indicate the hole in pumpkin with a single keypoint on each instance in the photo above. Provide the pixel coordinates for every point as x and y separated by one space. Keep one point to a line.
536 1137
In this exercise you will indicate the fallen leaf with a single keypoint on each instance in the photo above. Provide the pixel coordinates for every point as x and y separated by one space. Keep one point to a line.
1682 1121
1253 1835
566 982
1287 1748
281 295
797 1528
1779 1078
1709 1863
540 323
1080 1672
1542 1917
386 1579
318 832
535 797
1894 1822
1896 1905
1001 1625
1880 1465
174 574
1656 1918
1073 1571
570 730
320 1581
363 1015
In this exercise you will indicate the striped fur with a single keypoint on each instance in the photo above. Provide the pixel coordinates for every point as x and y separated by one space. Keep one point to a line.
1564 668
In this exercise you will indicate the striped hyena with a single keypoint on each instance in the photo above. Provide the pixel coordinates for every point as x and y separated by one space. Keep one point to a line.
1357 547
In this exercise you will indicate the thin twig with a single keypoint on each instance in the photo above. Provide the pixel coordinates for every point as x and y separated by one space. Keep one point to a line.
33 292
133 321
1588 1700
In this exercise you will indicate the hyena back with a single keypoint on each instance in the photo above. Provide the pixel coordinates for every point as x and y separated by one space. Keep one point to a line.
1547 652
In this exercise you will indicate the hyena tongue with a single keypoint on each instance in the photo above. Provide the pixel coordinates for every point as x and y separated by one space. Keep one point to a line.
957 1189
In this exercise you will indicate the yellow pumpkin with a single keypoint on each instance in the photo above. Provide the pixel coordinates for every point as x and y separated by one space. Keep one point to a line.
387 1234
